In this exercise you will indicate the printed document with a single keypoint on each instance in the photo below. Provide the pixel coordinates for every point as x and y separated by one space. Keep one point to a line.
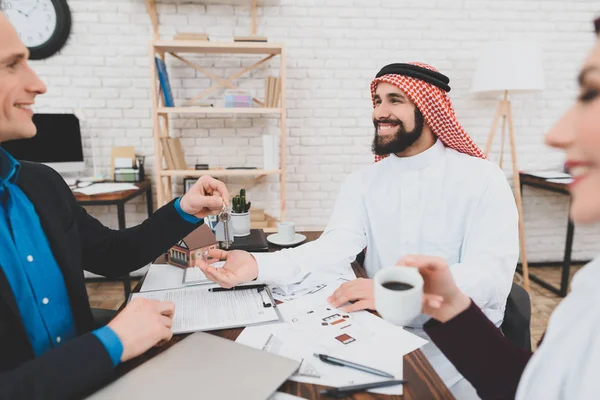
198 309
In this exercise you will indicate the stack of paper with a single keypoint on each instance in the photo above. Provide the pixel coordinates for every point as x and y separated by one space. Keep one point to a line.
549 174
100 188
313 283
311 326
199 309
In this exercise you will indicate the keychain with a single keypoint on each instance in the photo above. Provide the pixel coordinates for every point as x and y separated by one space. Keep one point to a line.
225 217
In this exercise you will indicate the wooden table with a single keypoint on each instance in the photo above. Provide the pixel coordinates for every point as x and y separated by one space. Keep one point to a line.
424 382
119 199
562 188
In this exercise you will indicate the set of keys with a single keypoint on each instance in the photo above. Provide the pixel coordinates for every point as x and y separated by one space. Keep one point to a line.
225 217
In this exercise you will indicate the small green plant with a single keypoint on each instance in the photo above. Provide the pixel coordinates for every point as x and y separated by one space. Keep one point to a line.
238 203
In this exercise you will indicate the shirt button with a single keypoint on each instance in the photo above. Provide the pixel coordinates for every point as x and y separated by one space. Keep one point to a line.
45 300
30 258
58 339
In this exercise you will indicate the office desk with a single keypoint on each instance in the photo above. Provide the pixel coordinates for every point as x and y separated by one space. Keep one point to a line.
119 199
424 383
563 188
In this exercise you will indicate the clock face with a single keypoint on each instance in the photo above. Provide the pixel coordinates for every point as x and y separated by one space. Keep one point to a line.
35 20
42 25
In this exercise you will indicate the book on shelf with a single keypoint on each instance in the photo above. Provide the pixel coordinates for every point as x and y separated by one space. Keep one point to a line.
173 153
272 90
277 92
164 143
165 86
191 36
177 153
266 101
261 39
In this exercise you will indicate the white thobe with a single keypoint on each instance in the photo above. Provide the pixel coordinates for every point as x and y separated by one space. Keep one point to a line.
567 364
437 203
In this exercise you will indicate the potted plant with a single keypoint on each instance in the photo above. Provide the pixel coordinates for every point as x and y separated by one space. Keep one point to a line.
240 214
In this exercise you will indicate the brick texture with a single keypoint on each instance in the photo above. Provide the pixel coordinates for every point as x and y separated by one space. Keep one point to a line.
334 48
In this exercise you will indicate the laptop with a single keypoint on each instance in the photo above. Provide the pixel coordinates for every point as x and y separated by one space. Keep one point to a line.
203 366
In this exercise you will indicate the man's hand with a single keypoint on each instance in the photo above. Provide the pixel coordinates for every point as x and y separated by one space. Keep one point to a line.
442 299
205 198
360 290
240 267
144 323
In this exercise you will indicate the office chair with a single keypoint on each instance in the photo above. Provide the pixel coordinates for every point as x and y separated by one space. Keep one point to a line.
517 317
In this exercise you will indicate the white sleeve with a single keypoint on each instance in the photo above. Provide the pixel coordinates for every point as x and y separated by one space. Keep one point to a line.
490 248
342 240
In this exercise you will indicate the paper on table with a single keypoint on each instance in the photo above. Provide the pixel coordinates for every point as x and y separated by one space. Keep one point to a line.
99 188
195 276
197 309
162 276
312 326
549 174
123 162
284 396
566 181
313 283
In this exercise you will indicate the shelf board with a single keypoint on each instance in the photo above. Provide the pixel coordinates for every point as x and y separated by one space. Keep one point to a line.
203 46
217 110
219 172
243 2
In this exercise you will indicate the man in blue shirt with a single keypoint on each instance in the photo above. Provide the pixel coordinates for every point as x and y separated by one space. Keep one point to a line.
49 345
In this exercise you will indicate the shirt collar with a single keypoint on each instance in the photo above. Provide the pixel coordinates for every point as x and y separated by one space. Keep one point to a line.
421 160
9 168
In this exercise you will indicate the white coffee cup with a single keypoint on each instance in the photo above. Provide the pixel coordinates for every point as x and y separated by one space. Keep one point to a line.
399 307
286 231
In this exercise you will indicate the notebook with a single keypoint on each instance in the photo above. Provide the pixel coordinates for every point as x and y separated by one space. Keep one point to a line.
256 241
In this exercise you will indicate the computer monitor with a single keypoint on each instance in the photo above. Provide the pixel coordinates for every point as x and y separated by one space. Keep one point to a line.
56 144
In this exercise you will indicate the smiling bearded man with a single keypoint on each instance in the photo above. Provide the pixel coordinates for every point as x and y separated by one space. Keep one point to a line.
431 192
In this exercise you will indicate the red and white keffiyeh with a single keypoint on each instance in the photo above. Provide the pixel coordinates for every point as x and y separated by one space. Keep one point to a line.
436 107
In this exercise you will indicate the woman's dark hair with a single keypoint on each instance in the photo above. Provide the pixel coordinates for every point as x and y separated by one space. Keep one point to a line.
596 24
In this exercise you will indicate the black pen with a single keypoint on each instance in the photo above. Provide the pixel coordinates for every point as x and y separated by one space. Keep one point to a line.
247 287
348 390
349 364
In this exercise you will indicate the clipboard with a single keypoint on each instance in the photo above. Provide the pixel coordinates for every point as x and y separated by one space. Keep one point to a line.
199 309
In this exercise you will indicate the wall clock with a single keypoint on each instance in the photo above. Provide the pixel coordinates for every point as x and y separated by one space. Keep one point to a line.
43 25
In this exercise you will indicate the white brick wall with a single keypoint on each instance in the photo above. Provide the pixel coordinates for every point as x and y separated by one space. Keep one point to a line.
334 47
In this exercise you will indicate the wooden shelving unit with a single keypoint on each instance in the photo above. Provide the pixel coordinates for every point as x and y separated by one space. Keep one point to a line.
160 113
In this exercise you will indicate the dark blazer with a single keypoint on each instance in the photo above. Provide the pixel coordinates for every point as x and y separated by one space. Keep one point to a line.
481 353
78 242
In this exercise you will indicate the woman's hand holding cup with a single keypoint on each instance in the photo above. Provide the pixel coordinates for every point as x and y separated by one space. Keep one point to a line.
418 284
442 299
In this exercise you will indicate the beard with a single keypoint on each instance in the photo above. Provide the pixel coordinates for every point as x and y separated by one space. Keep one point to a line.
403 138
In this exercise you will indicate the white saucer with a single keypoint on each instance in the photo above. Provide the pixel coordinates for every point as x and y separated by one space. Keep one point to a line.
276 239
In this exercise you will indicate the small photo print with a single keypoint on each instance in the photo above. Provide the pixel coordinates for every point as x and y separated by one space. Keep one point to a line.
188 183
345 338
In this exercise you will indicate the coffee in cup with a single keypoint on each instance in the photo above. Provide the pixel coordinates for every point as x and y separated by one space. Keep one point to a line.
398 294
395 285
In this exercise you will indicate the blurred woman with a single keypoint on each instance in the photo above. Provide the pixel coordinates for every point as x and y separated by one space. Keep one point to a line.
567 363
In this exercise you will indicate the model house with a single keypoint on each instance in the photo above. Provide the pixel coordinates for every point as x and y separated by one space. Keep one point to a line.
193 246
